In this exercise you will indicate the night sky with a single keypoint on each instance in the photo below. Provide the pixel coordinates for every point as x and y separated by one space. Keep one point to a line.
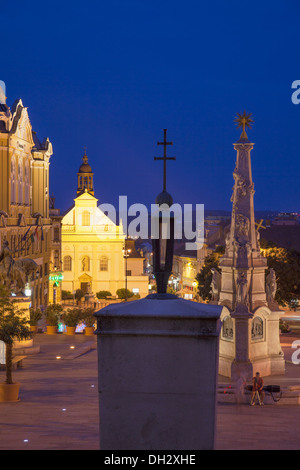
111 75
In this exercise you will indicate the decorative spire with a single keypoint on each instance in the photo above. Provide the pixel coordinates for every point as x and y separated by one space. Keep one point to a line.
85 157
244 120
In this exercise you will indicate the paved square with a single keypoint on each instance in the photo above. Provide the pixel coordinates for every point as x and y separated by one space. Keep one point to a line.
58 407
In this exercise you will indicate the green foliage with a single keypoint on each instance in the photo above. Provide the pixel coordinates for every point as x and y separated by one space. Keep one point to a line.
286 264
13 325
88 316
53 313
103 294
284 328
72 316
79 294
66 294
121 293
204 277
35 316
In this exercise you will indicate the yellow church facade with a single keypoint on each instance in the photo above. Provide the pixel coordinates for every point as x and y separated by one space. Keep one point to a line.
91 249
92 246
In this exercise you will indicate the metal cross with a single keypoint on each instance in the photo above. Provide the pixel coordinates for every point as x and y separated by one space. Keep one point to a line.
165 158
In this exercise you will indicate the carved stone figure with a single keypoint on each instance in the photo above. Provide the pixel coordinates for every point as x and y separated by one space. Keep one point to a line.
85 263
215 284
257 330
271 286
14 272
242 289
243 225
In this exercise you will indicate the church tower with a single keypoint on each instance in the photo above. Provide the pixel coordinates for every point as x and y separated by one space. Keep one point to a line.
85 177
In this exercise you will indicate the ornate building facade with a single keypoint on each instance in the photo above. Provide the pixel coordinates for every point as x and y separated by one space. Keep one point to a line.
92 246
24 195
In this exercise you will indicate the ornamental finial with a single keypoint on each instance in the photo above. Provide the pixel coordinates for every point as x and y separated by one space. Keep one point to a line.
244 120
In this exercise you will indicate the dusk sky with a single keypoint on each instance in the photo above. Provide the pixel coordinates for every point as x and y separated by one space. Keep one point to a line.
111 75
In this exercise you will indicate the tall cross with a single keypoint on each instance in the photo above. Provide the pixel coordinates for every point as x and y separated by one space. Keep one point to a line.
165 158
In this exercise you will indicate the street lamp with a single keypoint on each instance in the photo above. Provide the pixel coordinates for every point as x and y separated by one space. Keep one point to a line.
126 253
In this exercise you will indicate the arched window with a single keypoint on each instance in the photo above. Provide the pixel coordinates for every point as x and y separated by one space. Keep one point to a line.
67 263
27 183
103 263
86 219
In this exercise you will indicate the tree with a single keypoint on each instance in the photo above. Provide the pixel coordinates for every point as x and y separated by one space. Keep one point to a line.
53 313
286 264
204 277
124 293
79 294
13 325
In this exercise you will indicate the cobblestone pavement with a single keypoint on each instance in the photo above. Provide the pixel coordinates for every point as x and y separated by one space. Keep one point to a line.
58 407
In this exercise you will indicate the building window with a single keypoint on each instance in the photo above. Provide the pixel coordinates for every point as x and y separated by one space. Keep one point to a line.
86 218
13 178
128 272
67 263
20 182
103 263
27 184
56 234
56 259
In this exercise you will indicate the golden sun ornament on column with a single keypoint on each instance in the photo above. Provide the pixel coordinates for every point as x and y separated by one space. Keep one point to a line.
244 120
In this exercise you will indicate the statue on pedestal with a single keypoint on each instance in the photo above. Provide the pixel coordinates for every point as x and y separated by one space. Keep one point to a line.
271 286
215 284
242 289
14 272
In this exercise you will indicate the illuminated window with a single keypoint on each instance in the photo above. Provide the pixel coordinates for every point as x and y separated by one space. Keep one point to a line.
86 219
67 263
103 263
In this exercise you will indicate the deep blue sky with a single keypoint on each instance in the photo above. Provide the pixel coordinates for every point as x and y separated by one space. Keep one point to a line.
111 75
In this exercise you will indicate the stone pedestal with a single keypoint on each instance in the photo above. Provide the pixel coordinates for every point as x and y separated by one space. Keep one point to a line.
158 366
241 365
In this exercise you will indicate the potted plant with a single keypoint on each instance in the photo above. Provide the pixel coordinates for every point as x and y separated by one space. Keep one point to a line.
13 325
71 318
89 320
35 316
53 314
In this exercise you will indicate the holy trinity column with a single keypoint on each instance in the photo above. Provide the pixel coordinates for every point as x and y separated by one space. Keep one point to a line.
244 286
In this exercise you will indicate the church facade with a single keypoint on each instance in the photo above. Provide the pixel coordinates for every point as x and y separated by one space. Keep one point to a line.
92 246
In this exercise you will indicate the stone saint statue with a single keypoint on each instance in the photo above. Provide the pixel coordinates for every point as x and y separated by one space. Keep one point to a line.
14 272
242 289
271 286
6 261
215 284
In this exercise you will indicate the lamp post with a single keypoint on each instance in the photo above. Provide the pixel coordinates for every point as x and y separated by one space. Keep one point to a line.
126 253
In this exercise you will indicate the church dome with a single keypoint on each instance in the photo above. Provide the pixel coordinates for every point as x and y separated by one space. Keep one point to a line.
85 167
